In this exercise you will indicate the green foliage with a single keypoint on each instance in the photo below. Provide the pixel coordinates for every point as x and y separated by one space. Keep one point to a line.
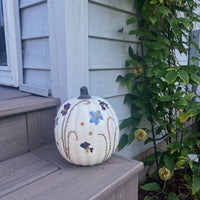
171 102
151 187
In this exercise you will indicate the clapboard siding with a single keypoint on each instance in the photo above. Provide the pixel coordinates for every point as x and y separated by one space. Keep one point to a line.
27 3
105 22
38 78
102 83
34 21
35 47
36 53
108 50
108 54
126 6
123 111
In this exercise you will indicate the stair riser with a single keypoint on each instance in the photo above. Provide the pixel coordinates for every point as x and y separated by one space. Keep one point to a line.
25 132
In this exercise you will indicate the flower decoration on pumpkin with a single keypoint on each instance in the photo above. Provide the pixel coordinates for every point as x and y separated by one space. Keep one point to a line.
66 108
86 146
95 117
103 105
140 135
164 174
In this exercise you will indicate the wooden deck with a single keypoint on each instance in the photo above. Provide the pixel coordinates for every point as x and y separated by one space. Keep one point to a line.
26 121
44 174
31 167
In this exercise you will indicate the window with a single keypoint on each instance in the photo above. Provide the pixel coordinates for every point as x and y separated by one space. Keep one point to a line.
3 56
10 42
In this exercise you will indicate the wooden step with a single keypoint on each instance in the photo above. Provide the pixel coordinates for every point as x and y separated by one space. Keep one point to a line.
115 179
26 121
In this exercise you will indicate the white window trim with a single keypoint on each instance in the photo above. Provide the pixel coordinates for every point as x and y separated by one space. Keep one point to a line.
9 74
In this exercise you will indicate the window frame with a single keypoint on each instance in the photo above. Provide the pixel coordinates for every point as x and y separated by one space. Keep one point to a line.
9 75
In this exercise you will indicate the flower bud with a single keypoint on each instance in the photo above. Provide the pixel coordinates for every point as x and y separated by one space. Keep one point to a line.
140 134
164 174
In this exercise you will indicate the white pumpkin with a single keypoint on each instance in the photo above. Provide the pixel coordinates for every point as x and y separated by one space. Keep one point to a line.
86 130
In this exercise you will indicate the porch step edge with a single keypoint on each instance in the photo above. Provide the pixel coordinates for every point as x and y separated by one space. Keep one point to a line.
26 104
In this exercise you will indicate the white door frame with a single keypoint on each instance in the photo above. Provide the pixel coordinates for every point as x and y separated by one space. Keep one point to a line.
9 75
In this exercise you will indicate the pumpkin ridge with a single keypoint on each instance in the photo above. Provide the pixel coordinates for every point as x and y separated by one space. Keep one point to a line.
67 121
109 135
68 136
106 145
114 140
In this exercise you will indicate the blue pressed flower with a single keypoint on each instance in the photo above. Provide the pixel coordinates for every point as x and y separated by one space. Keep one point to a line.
95 117
66 108
103 105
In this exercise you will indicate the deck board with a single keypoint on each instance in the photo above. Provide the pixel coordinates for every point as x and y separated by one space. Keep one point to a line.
13 101
22 170
11 93
77 182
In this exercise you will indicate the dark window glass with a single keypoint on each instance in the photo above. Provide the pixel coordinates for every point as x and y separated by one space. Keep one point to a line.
3 56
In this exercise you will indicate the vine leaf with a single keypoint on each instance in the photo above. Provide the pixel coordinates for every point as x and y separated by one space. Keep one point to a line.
172 196
195 78
151 187
184 76
123 141
131 20
169 163
165 98
171 77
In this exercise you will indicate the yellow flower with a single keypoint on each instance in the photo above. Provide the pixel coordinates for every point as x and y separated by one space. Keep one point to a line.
140 134
164 174
138 70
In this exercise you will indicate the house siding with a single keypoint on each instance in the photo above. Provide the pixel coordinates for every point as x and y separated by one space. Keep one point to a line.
35 44
108 50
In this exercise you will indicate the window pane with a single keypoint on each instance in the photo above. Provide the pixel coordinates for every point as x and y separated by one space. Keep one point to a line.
3 56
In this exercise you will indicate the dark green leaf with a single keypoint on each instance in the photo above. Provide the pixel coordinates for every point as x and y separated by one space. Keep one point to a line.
151 158
148 198
129 98
171 77
151 187
187 177
131 62
169 163
184 76
131 136
174 146
157 45
163 10
130 51
196 46
126 123
189 97
165 98
131 20
195 78
180 102
153 19
178 94
119 78
195 183
163 40
123 141
172 196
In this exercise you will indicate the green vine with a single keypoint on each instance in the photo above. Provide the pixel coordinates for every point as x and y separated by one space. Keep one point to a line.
166 27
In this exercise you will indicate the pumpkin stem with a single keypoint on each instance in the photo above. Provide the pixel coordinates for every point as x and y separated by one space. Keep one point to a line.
84 93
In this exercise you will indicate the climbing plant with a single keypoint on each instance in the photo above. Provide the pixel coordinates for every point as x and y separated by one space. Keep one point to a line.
162 89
